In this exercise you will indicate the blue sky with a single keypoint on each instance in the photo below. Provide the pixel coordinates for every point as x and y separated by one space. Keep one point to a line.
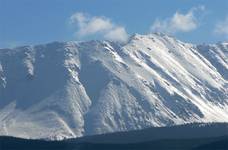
24 22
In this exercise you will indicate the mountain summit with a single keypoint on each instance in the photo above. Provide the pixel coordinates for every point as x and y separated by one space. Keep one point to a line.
72 89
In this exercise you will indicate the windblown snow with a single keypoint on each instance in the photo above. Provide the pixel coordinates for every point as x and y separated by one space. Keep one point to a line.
72 89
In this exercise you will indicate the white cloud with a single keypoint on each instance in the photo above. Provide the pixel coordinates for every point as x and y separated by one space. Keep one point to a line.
178 22
114 34
221 28
96 25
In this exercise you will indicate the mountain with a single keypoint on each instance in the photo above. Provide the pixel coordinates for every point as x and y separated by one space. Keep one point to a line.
73 89
186 131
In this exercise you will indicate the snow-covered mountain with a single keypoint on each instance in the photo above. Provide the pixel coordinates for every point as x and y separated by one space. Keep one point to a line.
72 89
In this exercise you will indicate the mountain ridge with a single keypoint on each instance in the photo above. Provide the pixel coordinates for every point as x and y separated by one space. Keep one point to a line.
119 43
187 136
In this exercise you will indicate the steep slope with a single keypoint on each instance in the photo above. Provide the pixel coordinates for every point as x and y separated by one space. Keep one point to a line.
217 55
74 89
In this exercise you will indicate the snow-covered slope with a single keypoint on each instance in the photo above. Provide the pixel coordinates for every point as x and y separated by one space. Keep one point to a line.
72 89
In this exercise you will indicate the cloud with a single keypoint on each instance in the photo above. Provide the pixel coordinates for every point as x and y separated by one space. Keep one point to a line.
117 34
95 25
179 22
221 28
